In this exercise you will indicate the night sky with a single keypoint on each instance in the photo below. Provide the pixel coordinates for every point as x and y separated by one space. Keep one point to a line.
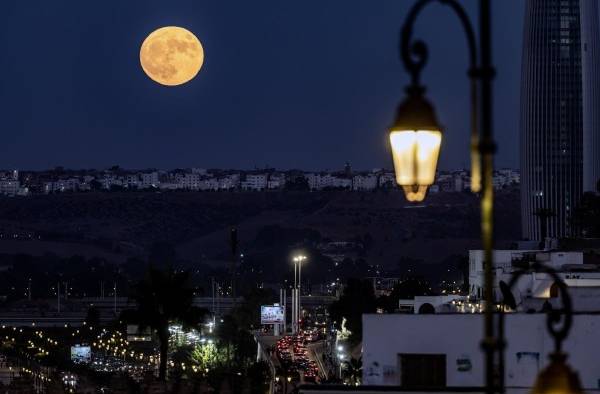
292 84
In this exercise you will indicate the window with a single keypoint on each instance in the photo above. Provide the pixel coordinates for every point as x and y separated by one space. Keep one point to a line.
422 371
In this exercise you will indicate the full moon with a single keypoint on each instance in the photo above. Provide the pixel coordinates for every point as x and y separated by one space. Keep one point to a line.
171 55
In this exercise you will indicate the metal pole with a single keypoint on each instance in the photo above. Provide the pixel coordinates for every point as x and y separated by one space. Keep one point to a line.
294 305
299 308
300 276
284 310
295 300
487 148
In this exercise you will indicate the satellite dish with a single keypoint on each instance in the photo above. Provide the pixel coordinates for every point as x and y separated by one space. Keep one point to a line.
507 296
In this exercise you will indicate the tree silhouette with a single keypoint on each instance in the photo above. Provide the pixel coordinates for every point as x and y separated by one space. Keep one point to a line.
353 370
358 298
587 215
406 289
164 297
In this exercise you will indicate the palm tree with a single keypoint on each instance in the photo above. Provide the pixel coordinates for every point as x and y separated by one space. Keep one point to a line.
164 297
353 370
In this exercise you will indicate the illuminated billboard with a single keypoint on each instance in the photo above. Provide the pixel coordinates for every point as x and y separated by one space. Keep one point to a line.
271 314
81 354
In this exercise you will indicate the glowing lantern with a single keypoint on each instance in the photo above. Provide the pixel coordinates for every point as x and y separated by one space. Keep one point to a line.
557 378
415 139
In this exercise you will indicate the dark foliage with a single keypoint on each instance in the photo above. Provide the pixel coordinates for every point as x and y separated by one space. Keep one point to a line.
587 215
358 298
406 289
164 297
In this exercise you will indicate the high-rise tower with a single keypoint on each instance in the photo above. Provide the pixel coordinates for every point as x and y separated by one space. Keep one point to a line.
560 112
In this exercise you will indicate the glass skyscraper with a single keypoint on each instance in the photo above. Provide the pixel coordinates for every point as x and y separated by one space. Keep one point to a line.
560 113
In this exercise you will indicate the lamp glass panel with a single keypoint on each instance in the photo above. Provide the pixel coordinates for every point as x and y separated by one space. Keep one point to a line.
428 151
403 151
415 154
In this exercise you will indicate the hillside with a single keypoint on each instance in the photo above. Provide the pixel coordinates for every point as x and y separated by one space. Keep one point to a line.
118 225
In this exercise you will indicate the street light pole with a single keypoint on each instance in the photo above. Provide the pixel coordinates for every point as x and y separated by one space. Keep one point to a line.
298 260
294 298
481 73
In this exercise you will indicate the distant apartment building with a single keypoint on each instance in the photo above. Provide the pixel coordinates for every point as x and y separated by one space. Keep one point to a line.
132 181
510 176
229 182
318 181
62 185
451 182
387 179
458 181
10 187
255 182
276 181
364 182
188 181
149 179
12 175
210 184
110 180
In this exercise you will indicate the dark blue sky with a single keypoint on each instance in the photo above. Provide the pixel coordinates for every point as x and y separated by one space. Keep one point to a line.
293 84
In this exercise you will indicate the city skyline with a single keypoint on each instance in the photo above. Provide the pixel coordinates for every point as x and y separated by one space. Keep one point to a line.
300 197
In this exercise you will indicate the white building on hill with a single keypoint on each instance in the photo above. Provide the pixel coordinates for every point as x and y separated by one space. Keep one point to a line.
255 182
364 182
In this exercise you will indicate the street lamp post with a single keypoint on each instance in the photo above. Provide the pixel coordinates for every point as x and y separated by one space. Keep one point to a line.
298 260
416 137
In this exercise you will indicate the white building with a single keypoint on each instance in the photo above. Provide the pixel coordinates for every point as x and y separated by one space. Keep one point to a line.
569 265
364 182
169 186
324 181
110 180
340 182
444 351
314 181
255 182
387 179
209 184
276 181
452 182
9 187
188 181
149 179
229 182
62 185
131 181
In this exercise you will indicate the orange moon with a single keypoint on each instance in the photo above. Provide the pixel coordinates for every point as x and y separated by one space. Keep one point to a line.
171 55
